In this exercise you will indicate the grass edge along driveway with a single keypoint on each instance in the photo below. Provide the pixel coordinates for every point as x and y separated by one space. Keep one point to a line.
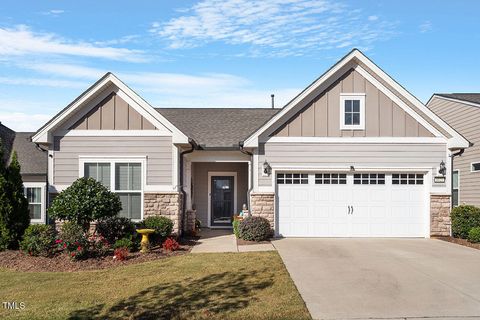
195 286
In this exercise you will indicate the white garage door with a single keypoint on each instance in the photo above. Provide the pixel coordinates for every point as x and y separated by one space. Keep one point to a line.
351 205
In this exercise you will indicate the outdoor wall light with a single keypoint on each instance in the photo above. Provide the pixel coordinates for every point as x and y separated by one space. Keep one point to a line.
352 168
443 169
267 170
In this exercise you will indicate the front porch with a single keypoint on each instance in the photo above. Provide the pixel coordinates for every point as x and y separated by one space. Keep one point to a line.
217 184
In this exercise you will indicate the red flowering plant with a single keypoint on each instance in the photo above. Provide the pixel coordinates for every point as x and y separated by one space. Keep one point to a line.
170 245
73 241
120 254
98 245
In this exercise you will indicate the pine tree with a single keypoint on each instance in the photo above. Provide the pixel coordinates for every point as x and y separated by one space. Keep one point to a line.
14 213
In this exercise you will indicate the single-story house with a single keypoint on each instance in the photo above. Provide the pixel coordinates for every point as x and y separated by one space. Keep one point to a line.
33 161
462 112
352 155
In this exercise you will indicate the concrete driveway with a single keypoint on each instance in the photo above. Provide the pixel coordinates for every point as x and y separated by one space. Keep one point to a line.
384 278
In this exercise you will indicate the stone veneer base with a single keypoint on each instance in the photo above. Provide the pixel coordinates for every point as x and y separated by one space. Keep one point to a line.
167 204
440 222
262 204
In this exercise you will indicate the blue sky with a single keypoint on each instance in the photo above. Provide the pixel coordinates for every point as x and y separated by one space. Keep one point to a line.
224 53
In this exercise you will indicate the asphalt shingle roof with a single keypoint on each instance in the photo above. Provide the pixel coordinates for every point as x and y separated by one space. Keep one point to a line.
218 127
469 97
32 160
7 136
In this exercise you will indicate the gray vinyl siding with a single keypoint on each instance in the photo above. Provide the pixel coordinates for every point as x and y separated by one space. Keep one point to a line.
348 154
466 120
158 151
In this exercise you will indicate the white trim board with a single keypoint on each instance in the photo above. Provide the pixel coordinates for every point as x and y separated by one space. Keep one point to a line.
379 140
468 103
220 174
355 56
112 133
44 135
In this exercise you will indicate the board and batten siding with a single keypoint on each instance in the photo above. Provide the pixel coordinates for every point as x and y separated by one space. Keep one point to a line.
466 120
406 155
158 151
383 117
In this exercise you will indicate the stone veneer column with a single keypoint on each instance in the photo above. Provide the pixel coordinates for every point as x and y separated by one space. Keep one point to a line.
262 204
440 223
167 204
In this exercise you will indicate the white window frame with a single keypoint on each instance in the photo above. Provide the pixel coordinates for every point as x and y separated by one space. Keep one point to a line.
42 186
471 167
112 161
352 96
458 188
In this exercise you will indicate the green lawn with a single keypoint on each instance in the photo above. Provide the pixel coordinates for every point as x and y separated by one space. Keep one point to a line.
194 286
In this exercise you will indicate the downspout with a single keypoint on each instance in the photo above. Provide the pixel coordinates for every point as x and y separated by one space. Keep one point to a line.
184 194
242 150
458 154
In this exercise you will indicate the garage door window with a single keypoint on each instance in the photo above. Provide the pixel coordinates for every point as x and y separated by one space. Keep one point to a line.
330 178
407 178
369 178
292 178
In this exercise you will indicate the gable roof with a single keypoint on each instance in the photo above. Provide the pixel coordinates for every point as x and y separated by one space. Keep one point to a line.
7 136
467 97
218 127
383 81
43 135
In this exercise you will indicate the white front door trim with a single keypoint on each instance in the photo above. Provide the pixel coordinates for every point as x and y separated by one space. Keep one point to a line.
220 174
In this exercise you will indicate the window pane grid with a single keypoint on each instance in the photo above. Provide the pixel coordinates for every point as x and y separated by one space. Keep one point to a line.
292 178
330 178
369 178
407 178
352 112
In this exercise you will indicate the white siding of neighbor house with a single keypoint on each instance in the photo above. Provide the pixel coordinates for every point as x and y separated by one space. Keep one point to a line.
466 120
374 155
68 149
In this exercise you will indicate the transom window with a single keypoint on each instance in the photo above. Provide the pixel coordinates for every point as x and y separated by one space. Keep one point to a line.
352 111
475 166
407 178
330 178
369 178
122 177
292 178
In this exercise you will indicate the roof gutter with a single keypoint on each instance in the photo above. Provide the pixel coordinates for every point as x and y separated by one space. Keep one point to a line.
193 146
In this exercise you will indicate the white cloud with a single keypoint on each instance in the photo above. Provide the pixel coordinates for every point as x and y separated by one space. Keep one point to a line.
21 41
25 122
425 26
278 27
53 12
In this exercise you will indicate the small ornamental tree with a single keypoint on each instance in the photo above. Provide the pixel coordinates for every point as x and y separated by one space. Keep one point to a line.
14 213
84 201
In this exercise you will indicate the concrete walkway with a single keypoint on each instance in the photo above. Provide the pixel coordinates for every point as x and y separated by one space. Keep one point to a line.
384 278
221 240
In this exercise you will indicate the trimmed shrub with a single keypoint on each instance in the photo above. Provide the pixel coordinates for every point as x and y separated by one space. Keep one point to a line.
255 229
4 237
163 227
170 245
38 240
73 240
84 201
474 235
236 224
98 245
464 218
115 228
124 243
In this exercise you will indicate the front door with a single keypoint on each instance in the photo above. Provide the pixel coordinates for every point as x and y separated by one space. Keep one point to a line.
222 200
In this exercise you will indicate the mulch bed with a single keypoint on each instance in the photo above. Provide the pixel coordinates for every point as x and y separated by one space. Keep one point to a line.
19 261
241 242
459 241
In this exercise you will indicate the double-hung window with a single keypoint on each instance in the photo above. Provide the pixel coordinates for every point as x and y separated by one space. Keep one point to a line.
35 194
352 111
455 187
123 177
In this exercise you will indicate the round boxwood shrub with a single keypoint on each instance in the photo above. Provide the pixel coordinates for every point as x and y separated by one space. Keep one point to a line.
163 227
255 229
125 243
464 218
84 201
38 240
474 235
115 228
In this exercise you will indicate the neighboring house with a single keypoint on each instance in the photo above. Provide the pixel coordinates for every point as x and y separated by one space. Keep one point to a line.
354 154
33 162
462 112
